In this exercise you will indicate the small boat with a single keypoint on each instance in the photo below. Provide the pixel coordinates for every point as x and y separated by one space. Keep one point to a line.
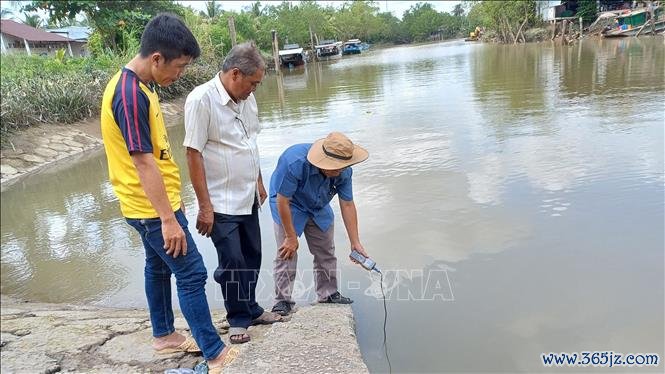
631 23
352 47
291 56
327 48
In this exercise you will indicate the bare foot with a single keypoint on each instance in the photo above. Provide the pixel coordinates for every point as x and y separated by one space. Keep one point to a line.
169 341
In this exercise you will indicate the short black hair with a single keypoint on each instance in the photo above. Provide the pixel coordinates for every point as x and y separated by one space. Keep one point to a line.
168 35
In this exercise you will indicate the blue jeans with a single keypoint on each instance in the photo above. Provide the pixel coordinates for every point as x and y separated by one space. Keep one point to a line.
237 239
190 274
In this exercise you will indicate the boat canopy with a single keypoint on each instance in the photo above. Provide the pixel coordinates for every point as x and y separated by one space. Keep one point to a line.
285 52
325 43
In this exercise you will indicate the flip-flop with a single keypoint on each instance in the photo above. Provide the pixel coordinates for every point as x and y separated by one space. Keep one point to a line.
231 355
235 331
267 318
188 346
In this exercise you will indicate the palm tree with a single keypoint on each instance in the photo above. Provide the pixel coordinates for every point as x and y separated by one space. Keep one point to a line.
458 10
32 20
6 13
213 9
256 9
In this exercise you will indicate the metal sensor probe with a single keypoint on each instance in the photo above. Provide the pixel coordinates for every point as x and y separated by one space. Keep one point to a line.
365 262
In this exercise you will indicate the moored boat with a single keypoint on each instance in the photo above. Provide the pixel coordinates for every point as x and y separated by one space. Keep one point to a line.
291 56
352 47
633 23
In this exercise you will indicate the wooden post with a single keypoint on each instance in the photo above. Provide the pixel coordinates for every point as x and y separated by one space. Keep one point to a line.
27 47
553 30
69 48
653 20
2 44
311 40
564 30
232 31
581 27
275 50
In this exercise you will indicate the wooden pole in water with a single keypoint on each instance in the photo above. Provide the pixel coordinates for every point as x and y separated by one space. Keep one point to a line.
232 31
564 30
553 30
275 50
311 40
581 27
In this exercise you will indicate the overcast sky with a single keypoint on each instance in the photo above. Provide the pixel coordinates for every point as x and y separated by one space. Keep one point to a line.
397 8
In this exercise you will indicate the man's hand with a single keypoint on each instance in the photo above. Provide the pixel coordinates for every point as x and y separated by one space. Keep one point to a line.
288 247
262 193
358 247
175 241
204 221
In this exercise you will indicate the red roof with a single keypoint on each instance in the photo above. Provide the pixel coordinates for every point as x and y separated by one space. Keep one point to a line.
29 33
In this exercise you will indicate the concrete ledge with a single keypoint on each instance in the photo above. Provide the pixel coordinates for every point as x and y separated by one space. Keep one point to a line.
39 148
317 339
48 338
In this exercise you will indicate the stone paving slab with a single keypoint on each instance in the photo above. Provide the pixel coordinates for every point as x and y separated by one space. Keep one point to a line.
49 338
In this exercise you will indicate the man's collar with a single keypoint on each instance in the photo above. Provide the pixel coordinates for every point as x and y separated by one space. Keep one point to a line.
313 170
222 91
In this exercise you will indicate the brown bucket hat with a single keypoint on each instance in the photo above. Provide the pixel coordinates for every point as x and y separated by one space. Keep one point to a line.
335 151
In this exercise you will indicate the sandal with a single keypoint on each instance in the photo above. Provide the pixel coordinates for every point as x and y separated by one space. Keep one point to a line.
188 346
267 318
283 308
231 355
241 335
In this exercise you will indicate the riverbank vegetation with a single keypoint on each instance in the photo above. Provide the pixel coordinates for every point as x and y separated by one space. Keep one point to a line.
64 90
60 89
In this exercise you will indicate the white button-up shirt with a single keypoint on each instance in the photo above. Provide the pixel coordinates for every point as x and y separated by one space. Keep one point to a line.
225 133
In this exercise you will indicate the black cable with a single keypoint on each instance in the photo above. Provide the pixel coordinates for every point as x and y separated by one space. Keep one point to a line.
385 321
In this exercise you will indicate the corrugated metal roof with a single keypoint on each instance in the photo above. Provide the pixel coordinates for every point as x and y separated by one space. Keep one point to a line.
78 33
29 33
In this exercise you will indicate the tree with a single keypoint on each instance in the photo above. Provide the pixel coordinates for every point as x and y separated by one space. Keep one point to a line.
32 20
587 9
213 9
115 21
421 21
6 13
506 18
458 11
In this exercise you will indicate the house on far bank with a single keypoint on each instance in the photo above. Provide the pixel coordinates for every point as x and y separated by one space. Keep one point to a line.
79 34
17 38
567 9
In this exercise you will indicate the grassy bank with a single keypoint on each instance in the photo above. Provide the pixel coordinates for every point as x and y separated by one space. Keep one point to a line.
42 90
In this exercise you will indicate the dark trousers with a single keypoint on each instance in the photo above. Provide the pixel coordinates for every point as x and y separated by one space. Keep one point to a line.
237 239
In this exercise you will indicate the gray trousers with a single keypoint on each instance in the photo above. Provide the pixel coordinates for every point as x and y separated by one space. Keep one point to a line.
322 246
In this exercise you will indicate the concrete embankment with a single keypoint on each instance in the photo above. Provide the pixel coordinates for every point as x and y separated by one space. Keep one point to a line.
33 149
48 338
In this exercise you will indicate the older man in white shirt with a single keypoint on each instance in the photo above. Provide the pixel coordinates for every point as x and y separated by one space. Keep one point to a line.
221 127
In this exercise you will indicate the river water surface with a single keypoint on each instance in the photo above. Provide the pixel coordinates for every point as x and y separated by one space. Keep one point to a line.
513 197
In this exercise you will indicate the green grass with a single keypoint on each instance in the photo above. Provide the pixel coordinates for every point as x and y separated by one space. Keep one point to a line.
42 90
